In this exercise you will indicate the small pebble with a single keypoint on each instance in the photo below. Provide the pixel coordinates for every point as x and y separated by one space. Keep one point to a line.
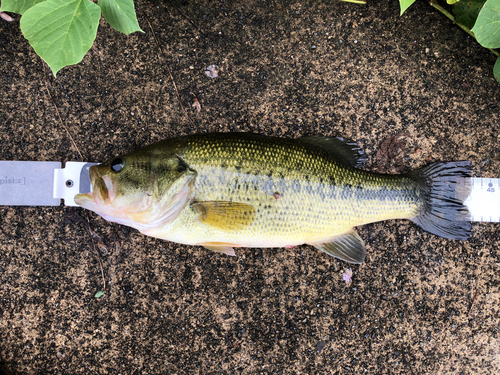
212 71
347 275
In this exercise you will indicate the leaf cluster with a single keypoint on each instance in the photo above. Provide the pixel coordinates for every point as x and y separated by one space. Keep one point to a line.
479 18
62 31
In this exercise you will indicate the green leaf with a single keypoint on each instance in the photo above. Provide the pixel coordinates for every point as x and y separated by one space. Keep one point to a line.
18 6
466 11
496 70
404 4
120 14
99 294
487 27
451 1
61 31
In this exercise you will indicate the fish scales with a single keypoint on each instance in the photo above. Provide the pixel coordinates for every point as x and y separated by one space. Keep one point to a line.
301 193
226 190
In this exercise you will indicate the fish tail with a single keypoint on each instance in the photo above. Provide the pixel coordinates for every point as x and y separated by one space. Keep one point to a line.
443 193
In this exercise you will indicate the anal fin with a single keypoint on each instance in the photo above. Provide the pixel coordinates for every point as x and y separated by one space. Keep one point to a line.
348 247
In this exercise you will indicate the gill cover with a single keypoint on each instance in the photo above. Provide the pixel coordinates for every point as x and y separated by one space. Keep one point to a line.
140 190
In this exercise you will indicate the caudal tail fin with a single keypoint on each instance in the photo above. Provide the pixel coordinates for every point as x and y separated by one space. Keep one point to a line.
444 212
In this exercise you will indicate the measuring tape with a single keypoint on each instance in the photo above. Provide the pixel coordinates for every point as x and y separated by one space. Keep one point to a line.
483 201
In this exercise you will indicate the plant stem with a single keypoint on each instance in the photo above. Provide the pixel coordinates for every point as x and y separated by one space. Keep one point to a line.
453 19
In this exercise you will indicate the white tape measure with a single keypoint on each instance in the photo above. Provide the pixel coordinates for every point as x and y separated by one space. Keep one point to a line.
483 201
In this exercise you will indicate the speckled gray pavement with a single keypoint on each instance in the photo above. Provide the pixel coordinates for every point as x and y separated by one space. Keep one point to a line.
411 90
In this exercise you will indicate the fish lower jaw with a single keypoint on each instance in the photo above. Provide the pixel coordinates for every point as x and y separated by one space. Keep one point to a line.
91 199
84 200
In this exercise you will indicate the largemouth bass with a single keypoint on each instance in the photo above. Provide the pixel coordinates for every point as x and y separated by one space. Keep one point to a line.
227 190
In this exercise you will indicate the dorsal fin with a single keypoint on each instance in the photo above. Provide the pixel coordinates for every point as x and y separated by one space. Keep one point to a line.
337 146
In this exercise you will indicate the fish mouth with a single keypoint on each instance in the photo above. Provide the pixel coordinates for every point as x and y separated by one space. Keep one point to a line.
103 190
84 200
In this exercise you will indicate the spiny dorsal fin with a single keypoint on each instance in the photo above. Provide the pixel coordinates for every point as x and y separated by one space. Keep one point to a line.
337 146
348 247
228 216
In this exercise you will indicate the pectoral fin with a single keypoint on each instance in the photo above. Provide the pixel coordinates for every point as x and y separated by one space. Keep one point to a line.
228 216
219 247
348 247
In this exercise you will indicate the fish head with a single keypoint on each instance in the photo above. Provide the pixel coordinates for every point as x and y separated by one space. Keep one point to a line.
142 189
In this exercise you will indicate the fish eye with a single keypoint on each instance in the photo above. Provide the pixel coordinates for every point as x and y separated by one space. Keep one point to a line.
117 164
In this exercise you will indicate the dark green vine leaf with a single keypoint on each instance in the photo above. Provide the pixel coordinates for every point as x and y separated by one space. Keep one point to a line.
18 6
466 11
496 70
487 27
120 14
61 31
404 4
